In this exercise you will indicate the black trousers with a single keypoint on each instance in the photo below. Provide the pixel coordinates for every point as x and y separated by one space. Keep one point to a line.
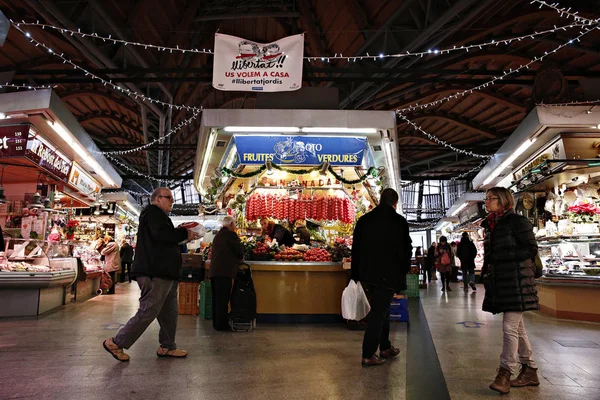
378 327
125 266
428 273
113 276
221 293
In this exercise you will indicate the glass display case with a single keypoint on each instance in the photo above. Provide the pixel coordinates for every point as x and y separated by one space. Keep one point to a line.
90 258
34 275
89 274
574 258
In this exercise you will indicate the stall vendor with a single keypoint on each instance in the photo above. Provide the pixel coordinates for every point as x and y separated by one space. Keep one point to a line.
303 232
277 232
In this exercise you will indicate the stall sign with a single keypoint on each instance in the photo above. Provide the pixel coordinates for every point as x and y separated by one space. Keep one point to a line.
553 152
13 140
83 181
46 156
301 150
243 65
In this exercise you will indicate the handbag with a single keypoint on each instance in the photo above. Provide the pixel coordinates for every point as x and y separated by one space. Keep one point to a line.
538 266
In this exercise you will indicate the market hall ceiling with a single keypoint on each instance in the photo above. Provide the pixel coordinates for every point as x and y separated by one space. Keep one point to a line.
478 122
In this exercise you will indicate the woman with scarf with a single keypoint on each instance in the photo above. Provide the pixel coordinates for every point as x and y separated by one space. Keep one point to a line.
443 255
508 275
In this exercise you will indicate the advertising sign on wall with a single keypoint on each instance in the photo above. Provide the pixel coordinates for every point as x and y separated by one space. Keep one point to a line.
243 65
13 140
301 150
83 181
46 156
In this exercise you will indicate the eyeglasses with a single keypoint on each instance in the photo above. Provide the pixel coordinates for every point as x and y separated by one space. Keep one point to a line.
167 197
491 198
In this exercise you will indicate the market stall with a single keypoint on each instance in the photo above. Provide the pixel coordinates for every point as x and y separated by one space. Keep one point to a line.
552 163
49 168
308 171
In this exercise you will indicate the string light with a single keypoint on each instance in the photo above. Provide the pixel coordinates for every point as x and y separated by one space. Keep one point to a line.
138 173
571 103
130 93
474 169
442 142
496 78
580 22
26 87
564 12
157 140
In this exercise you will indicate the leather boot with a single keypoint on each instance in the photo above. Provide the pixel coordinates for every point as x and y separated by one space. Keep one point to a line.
527 377
502 382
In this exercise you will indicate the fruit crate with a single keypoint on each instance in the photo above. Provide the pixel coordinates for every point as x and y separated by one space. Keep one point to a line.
412 285
205 300
188 298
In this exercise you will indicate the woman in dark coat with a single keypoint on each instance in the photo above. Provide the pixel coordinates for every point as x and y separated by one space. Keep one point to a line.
445 268
508 275
227 255
467 252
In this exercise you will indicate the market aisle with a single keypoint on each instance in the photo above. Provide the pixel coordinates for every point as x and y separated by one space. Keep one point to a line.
59 355
469 341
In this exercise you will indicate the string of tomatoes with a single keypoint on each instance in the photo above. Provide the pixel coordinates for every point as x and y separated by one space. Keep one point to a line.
327 208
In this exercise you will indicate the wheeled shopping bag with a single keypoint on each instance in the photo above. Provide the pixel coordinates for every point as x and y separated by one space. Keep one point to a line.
242 316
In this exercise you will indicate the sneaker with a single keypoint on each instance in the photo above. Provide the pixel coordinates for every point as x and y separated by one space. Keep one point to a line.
473 286
116 351
176 353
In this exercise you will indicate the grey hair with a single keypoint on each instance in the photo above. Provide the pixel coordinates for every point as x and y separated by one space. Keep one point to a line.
157 192
228 220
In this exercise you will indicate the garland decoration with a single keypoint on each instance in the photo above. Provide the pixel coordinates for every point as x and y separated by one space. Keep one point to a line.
371 172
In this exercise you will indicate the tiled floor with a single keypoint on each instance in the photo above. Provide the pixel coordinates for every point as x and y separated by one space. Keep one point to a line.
469 355
60 356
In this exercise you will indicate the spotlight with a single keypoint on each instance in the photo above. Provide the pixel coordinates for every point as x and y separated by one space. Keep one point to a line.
324 168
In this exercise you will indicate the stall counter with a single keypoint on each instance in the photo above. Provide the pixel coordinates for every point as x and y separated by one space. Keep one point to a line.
298 292
575 298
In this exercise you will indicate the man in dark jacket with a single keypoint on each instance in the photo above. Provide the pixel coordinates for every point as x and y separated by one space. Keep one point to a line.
277 232
227 255
381 254
467 252
430 263
156 269
126 260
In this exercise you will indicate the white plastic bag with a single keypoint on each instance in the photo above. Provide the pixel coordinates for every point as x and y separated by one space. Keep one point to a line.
355 305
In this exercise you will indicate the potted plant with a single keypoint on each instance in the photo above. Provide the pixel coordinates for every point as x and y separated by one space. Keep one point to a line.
70 228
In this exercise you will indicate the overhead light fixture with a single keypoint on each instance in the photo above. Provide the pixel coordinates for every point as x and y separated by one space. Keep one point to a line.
132 208
389 158
324 168
4 116
68 137
110 209
242 129
455 212
205 159
269 165
508 161
338 130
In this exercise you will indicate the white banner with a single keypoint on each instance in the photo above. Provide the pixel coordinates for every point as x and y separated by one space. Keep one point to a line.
243 65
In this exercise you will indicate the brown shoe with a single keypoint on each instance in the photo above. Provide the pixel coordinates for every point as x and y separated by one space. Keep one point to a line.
176 353
116 351
369 362
389 353
527 377
502 382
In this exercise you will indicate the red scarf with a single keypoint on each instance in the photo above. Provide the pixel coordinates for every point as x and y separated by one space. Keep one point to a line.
493 217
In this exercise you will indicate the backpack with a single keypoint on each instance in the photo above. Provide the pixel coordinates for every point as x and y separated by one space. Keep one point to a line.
445 259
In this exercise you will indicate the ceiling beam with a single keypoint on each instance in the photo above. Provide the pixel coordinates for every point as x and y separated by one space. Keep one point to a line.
456 120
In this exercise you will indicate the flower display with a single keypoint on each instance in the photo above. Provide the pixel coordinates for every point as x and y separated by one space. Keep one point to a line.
583 212
71 227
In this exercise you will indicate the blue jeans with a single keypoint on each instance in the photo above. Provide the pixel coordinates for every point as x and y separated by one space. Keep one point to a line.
468 277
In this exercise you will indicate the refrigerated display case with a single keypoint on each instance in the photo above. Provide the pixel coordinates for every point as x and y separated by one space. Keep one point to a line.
34 276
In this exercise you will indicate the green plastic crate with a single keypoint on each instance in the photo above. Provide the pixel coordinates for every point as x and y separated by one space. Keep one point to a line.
412 285
205 300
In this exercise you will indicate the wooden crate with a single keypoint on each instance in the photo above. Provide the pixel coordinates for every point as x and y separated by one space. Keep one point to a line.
188 298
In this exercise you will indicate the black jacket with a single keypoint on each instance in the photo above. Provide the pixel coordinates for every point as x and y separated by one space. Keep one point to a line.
467 252
508 265
157 250
304 235
381 248
283 236
430 258
126 253
227 254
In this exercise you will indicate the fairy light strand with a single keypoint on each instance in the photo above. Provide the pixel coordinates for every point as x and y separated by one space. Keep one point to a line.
579 23
138 173
442 142
26 87
495 79
563 12
469 172
571 103
157 140
130 93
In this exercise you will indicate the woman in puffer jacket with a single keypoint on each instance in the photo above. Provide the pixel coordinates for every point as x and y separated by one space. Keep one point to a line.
112 260
508 276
